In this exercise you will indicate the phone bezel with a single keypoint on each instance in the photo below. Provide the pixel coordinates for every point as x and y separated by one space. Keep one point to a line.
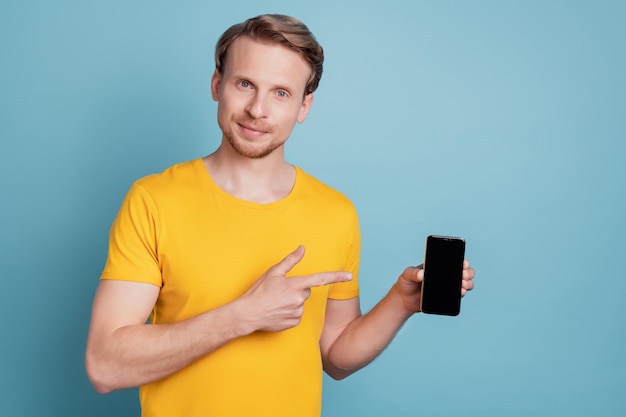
437 309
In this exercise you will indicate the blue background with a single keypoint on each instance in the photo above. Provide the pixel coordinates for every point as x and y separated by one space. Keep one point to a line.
500 121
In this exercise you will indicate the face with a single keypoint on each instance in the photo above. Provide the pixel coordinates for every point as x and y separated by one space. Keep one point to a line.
260 96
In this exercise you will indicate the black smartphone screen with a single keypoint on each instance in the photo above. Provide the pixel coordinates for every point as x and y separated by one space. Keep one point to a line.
443 274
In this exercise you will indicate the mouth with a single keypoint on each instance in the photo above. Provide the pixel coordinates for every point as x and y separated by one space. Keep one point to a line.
251 130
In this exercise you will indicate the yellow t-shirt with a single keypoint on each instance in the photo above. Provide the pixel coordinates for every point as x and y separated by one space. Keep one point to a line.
204 248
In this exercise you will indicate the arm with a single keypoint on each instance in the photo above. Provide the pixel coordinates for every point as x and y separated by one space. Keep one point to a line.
350 340
123 351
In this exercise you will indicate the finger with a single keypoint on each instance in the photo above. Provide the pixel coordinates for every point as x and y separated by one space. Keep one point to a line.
467 285
468 274
414 273
420 274
291 260
465 264
321 279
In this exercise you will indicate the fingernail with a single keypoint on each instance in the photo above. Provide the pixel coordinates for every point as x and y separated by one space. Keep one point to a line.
348 276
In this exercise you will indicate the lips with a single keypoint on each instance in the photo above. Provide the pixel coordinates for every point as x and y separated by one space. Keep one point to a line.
253 129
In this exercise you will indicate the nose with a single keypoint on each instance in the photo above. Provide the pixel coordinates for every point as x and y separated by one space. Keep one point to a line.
256 107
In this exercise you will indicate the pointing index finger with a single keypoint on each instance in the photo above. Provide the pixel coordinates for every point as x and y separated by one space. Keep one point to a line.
322 278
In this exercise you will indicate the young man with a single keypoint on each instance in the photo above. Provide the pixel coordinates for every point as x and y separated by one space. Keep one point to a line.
245 265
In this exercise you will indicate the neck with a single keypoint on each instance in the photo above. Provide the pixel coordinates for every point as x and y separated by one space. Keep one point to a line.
262 180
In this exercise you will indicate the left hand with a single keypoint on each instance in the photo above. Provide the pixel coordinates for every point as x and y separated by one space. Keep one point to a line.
410 285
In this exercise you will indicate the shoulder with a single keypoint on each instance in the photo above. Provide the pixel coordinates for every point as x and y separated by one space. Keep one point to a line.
323 194
174 179
173 186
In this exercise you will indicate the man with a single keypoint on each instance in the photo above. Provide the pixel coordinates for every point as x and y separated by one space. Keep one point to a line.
245 265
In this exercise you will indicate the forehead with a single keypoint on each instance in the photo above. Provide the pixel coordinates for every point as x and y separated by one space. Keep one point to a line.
266 61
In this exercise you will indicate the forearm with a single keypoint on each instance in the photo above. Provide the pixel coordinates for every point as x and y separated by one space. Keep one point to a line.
366 337
138 354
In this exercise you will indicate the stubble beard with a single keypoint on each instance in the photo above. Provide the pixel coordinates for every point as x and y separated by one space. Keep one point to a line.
249 150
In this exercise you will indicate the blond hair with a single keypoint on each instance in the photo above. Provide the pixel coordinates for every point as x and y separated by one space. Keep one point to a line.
281 29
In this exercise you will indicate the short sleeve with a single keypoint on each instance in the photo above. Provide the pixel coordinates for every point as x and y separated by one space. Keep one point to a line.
350 289
133 240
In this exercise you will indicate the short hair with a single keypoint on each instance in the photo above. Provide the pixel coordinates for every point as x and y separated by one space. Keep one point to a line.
283 30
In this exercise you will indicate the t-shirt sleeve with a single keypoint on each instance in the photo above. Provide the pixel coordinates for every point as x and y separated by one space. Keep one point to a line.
133 240
350 289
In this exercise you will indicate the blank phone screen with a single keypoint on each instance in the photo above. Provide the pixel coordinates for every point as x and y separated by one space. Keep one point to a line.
443 274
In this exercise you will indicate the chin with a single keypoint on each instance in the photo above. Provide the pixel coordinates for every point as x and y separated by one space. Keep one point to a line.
253 152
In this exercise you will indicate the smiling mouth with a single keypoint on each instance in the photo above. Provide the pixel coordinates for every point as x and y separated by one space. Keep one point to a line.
253 130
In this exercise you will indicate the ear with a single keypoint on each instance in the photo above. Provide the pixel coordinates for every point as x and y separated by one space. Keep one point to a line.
306 106
216 82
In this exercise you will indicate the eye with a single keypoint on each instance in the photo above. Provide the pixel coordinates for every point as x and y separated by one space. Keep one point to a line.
282 94
245 84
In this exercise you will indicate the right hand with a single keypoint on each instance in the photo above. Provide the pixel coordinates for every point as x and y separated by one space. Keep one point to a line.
275 302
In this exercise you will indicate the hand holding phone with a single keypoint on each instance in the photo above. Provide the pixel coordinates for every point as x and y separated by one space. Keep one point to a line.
443 275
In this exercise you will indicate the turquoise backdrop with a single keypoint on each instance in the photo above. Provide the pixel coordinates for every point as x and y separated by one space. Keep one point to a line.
500 121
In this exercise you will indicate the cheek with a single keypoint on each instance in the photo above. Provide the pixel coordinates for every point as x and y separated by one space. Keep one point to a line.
288 119
227 106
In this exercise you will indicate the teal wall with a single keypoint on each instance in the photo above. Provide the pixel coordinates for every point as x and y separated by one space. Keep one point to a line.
501 121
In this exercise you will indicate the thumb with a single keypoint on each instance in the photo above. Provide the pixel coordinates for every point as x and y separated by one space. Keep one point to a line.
413 273
291 260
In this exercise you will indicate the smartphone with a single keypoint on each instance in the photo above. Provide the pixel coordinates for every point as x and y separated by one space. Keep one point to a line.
443 274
